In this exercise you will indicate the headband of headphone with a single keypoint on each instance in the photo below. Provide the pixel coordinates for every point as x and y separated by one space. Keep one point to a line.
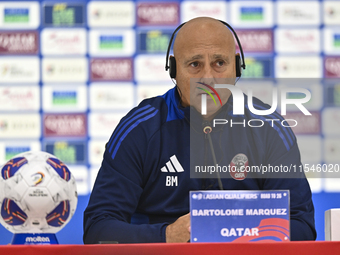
170 62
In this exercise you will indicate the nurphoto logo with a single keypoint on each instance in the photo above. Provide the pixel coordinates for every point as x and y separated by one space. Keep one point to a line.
209 95
238 100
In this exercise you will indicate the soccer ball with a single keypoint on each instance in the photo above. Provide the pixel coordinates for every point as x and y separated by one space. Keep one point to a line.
38 193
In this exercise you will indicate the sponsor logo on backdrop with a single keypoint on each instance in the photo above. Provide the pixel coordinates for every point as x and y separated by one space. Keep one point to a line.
260 40
298 13
3 125
14 98
153 41
336 40
111 14
112 42
298 40
332 92
19 69
298 67
332 67
331 12
19 15
64 98
63 41
114 69
331 41
64 125
150 68
193 9
16 15
64 14
157 14
11 151
64 69
103 124
8 149
69 152
105 96
20 126
19 42
251 14
331 121
257 68
306 124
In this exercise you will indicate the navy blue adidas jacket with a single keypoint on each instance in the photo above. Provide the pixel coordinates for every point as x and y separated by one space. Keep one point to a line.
133 181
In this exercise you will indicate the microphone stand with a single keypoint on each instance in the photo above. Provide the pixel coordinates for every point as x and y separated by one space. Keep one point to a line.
207 130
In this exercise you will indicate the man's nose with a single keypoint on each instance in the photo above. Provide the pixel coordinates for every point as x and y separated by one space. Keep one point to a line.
207 71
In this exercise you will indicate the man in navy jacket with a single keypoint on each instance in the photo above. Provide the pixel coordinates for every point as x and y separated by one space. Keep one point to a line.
145 172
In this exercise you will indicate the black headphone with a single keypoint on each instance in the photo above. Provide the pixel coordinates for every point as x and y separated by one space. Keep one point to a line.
172 65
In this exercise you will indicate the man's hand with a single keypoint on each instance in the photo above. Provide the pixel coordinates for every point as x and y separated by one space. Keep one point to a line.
179 231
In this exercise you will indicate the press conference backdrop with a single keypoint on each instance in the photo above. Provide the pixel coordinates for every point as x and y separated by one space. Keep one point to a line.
69 70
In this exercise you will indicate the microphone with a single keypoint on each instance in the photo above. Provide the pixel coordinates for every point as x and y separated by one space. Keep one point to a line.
207 129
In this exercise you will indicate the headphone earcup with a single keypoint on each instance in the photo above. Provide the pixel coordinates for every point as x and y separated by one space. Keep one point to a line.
172 67
238 66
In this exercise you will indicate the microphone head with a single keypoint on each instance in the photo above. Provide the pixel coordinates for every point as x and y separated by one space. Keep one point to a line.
207 129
